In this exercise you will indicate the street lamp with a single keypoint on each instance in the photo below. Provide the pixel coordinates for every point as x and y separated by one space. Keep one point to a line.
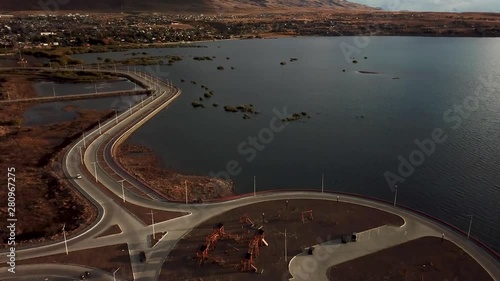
254 188
470 225
83 137
286 251
114 274
81 154
95 170
186 187
123 190
322 182
153 223
395 194
65 242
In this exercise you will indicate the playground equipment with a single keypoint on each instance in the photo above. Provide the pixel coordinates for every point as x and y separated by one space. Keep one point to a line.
247 263
246 219
202 255
307 215
253 250
211 242
260 235
219 229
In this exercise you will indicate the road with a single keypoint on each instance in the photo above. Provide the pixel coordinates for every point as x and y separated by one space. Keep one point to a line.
134 232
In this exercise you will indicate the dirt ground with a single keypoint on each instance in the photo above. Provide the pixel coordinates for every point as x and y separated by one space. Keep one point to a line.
44 199
141 162
107 258
331 220
426 259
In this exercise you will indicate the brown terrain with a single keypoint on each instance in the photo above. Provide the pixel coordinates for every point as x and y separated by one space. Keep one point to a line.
107 258
426 259
43 194
178 6
330 221
44 198
141 162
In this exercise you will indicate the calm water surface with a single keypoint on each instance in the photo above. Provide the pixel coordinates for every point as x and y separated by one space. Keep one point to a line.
437 76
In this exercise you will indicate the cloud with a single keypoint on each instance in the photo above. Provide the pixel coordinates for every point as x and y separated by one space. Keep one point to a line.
435 5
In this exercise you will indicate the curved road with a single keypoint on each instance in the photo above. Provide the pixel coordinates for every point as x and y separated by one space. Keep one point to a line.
135 233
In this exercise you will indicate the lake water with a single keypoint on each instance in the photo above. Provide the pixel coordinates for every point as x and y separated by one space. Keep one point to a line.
54 112
446 83
47 88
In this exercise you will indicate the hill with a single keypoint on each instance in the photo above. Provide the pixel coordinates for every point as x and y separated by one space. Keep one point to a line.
178 6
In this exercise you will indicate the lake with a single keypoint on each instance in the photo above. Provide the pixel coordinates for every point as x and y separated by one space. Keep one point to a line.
442 93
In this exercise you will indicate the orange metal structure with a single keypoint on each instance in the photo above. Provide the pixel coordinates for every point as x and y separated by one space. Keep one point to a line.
222 233
246 219
247 263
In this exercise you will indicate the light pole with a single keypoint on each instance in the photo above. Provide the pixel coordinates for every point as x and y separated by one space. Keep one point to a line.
186 187
395 194
322 182
123 190
65 242
114 274
153 223
470 226
254 188
286 253
53 90
95 170
83 136
81 154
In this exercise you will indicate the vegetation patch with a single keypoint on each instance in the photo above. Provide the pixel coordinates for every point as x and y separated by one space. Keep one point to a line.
202 58
296 116
196 104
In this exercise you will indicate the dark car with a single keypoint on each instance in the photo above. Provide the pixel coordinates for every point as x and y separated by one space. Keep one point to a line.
344 239
142 256
354 237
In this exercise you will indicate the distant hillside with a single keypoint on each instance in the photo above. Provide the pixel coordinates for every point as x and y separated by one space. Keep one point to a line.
172 5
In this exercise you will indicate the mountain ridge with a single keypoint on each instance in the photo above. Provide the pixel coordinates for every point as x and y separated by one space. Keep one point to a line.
173 5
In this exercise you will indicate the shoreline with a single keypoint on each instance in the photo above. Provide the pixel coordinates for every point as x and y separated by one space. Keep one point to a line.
141 162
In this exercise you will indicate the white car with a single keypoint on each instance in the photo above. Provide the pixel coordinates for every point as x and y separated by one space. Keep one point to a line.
78 176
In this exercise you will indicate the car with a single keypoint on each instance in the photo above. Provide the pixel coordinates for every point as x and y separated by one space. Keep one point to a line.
142 256
78 176
343 239
354 237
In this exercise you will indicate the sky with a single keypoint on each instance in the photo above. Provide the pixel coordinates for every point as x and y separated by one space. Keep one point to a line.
435 5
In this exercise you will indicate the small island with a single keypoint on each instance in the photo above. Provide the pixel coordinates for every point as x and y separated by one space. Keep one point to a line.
196 104
296 116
